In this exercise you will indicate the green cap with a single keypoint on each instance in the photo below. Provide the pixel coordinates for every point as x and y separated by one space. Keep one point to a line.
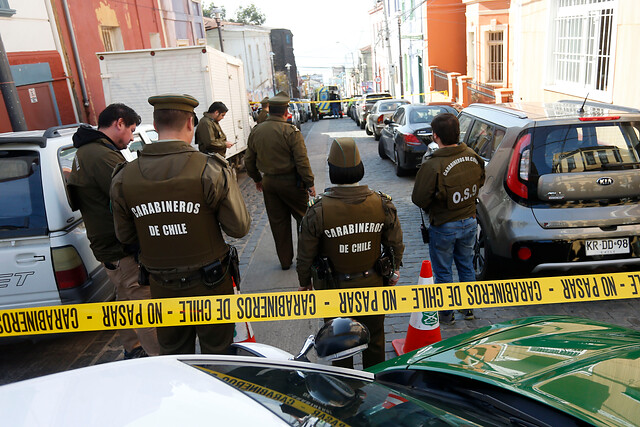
265 100
344 153
281 98
172 101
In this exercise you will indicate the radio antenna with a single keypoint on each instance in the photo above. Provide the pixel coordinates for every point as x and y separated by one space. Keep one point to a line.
581 110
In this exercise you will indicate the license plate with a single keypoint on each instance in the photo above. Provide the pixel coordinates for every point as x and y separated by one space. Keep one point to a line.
608 246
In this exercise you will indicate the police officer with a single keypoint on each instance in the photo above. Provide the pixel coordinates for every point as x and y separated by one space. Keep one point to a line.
446 187
176 202
276 159
98 154
209 135
346 227
264 111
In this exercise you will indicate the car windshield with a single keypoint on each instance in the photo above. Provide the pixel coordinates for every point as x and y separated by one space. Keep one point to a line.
585 147
387 107
22 211
425 114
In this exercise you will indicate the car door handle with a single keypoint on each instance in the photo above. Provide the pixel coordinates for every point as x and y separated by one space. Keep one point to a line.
29 258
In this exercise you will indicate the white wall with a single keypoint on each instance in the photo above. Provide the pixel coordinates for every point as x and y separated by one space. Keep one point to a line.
29 28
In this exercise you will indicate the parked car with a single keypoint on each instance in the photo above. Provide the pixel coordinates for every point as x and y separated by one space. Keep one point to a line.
45 258
380 111
405 137
293 115
351 106
364 105
143 135
542 371
306 107
561 190
297 104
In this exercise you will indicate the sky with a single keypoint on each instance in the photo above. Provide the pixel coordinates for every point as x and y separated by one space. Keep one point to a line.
325 32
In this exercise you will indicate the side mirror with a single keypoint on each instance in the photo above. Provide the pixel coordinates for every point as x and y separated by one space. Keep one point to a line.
337 339
387 121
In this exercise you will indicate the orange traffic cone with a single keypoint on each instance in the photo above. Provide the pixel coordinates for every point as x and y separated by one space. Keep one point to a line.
243 331
424 327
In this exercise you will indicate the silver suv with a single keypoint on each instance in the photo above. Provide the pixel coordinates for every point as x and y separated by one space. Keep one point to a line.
562 189
45 257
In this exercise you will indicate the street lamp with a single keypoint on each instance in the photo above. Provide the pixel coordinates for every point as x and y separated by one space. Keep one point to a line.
288 67
273 72
216 13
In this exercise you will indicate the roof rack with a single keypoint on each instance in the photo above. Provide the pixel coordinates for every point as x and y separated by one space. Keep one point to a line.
52 132
600 105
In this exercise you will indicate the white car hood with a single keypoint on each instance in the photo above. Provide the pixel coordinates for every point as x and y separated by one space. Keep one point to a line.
155 391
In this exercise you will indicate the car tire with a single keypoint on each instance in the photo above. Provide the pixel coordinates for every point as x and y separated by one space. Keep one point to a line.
381 152
483 259
357 121
400 171
376 136
367 130
362 124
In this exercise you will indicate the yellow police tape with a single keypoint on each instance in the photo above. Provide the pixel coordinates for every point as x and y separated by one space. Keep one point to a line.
443 92
259 307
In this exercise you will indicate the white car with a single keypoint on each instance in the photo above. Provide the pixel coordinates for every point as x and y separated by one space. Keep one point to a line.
45 258
143 135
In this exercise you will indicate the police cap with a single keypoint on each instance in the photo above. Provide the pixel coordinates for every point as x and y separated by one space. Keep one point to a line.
265 100
281 98
344 153
172 101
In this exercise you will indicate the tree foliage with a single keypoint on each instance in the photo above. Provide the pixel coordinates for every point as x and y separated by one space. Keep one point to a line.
208 11
250 15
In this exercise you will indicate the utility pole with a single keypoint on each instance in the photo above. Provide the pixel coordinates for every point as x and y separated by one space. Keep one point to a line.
400 55
10 93
392 87
217 11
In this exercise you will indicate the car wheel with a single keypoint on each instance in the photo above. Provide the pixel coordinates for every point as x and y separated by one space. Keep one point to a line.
400 171
381 152
367 130
357 121
376 136
483 261
362 124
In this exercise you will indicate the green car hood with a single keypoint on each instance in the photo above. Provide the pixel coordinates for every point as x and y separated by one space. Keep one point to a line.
586 368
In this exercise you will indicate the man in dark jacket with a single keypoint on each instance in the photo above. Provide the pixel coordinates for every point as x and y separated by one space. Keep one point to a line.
89 182
209 135
446 187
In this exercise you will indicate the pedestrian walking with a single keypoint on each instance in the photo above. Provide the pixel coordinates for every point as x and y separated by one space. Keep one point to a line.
446 187
89 181
276 159
342 237
209 135
176 201
264 111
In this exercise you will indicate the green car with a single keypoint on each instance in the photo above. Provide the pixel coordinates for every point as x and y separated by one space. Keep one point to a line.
549 370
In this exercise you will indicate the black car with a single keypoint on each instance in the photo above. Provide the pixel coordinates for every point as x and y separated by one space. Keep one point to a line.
406 135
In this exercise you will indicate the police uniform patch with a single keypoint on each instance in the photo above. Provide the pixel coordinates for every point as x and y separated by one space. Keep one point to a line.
384 196
313 201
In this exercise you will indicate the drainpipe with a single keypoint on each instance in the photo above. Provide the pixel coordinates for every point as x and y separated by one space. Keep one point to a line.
76 57
10 93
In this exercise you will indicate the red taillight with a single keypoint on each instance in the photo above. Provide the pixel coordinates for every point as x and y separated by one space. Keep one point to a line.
380 119
289 115
68 267
596 119
524 253
518 174
411 139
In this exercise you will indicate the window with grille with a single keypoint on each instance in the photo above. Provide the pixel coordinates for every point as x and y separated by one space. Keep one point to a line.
496 56
111 38
582 51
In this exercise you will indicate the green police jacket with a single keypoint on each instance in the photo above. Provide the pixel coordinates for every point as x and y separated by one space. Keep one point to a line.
210 137
448 183
349 233
157 206
276 147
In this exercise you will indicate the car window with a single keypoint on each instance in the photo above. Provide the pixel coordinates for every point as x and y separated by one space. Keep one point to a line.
22 211
481 138
465 125
585 147
389 106
425 115
306 397
399 116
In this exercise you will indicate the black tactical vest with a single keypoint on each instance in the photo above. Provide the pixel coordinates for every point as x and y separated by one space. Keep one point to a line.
352 233
176 228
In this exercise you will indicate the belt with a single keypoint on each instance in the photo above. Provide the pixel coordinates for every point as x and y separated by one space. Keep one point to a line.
353 276
179 280
283 176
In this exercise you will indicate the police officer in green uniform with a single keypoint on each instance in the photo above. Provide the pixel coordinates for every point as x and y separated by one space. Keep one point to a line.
176 201
446 187
276 159
209 135
346 228
264 112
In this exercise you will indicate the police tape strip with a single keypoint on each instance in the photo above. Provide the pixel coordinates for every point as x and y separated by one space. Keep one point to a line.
259 307
442 92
